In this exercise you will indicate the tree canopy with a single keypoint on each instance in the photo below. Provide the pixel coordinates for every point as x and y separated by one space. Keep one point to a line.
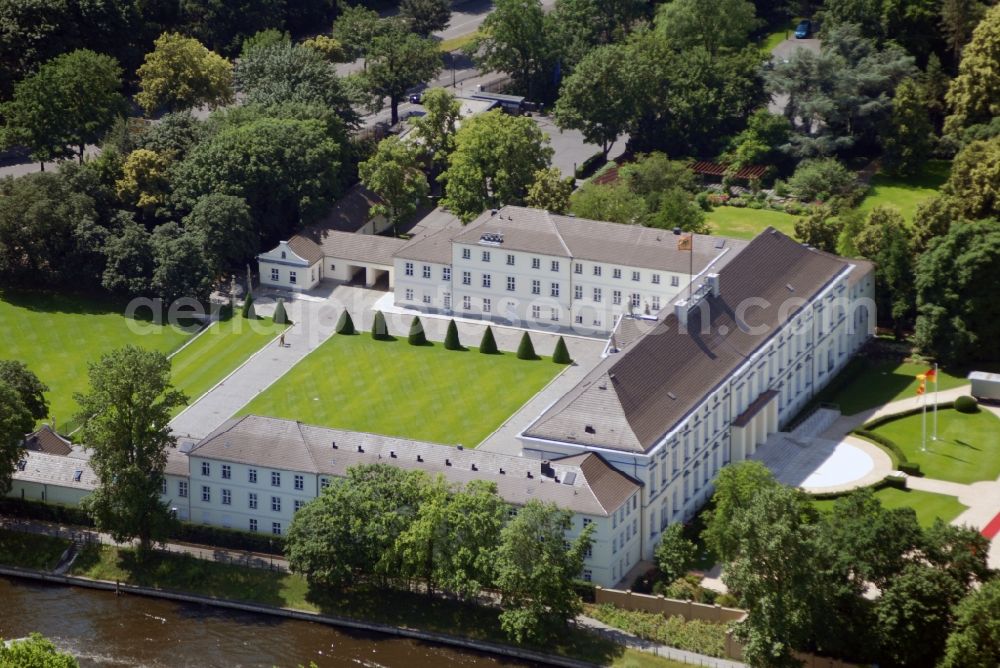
395 62
974 95
514 39
395 174
181 73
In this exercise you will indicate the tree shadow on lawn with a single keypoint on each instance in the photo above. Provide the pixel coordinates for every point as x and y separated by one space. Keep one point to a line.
80 304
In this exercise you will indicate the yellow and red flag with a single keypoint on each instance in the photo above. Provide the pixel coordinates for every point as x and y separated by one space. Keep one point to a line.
922 377
685 242
931 374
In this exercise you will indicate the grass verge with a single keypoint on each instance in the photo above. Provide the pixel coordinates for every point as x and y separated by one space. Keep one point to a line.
456 43
928 506
185 573
874 383
744 223
393 388
29 550
906 193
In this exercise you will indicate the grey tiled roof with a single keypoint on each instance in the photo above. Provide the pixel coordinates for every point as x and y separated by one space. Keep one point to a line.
371 248
633 399
595 489
47 469
48 441
434 247
306 249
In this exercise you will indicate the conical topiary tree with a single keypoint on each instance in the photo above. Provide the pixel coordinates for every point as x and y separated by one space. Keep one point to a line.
526 349
561 355
451 340
248 309
280 317
488 346
379 329
417 336
345 325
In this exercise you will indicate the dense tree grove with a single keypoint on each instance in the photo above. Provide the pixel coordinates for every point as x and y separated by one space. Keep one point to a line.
382 526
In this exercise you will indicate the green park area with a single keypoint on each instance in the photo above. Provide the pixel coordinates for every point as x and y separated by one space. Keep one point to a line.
865 384
906 193
218 351
928 506
744 223
393 388
967 448
29 550
56 336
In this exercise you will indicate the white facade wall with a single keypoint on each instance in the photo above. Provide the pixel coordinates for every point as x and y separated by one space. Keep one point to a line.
423 285
601 292
47 492
282 268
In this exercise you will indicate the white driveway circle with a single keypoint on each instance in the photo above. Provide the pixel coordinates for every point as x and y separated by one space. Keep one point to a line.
846 464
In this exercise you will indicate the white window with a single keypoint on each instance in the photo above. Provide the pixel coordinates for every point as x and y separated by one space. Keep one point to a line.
292 277
597 295
276 504
275 479
227 497
656 302
486 256
578 268
656 279
578 319
298 504
275 274
408 295
252 501
578 292
446 273
466 254
206 493
408 269
536 312
555 265
616 297
466 278
536 263
227 471
597 322
510 260
553 314
163 486
206 469
511 284
300 482
427 298
324 483
675 281
617 273
635 276
487 281
554 291
252 475
536 287
253 525
276 528
487 305
333 267
588 576
182 489
426 271
597 270
635 300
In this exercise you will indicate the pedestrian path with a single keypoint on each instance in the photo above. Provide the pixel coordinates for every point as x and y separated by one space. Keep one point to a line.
848 423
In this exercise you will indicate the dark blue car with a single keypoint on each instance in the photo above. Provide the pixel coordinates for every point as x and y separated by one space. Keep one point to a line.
803 29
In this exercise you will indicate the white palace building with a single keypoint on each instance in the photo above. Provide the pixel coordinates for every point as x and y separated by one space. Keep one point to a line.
711 372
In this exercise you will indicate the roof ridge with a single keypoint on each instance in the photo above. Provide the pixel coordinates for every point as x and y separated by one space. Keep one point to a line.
306 446
552 223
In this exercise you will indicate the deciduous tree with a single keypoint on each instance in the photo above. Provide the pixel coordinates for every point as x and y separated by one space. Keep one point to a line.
975 635
145 182
713 25
15 421
286 72
436 129
426 16
974 182
675 554
125 417
35 651
180 268
909 140
30 390
550 191
494 162
514 39
596 98
180 73
129 260
356 28
224 227
974 95
397 61
395 174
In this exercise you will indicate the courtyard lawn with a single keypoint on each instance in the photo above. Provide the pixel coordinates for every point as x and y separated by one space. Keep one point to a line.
967 449
217 352
927 505
743 223
906 193
393 388
57 335
871 384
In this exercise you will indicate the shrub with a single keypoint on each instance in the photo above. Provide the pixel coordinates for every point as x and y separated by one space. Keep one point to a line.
704 201
780 188
910 468
899 482
966 404
561 355
526 349
379 328
754 204
345 325
794 208
488 344
451 340
822 179
280 317
694 636
248 309
590 165
417 336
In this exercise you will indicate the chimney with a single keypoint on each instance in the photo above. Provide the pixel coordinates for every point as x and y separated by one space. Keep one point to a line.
681 311
547 469
712 281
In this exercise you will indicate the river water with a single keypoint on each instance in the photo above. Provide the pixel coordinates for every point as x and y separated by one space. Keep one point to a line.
102 629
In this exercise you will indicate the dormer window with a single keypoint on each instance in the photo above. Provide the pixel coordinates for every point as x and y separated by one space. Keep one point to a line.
283 255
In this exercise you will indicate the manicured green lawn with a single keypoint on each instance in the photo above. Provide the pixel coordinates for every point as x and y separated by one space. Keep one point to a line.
877 383
633 658
779 35
927 505
967 449
56 336
743 223
218 351
30 550
390 387
906 194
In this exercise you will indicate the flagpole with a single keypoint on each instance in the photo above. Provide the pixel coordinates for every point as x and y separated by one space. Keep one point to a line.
934 437
923 423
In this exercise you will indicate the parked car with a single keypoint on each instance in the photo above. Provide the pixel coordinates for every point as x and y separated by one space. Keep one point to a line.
415 98
803 29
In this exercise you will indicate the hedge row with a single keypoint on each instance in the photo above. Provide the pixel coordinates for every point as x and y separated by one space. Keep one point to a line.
899 457
182 531
697 636
885 419
897 482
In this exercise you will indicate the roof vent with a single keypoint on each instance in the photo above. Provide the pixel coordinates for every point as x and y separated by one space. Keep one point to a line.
21 465
491 238
789 286
459 446
392 454
547 469
590 429
569 478
502 472
77 474
419 458
529 475
493 212
360 449
447 462
333 444
672 396
475 468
